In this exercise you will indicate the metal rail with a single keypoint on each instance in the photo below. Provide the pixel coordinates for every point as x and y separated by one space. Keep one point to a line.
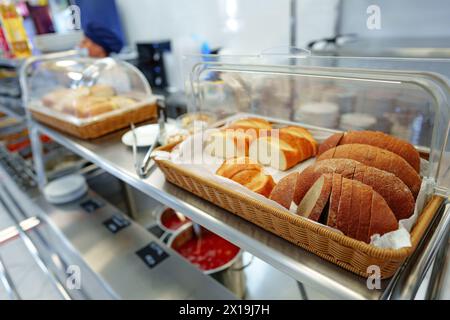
410 276
13 211
441 268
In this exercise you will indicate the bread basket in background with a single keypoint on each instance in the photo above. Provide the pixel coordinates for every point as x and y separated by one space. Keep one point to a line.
87 98
304 78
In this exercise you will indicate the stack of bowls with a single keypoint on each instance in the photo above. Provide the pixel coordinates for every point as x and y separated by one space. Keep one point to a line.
321 114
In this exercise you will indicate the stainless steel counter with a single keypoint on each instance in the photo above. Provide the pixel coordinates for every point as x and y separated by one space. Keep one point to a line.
111 155
112 256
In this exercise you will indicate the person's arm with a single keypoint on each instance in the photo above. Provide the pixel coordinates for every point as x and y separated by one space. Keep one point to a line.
94 50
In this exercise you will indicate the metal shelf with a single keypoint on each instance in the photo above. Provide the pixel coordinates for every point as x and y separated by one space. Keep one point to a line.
111 155
10 63
12 106
11 112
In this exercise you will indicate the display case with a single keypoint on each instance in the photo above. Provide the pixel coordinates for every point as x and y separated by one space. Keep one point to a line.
407 99
87 97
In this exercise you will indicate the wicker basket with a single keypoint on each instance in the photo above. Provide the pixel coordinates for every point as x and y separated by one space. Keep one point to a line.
353 255
101 127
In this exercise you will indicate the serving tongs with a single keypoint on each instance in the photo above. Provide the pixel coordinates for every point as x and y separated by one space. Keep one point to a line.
143 168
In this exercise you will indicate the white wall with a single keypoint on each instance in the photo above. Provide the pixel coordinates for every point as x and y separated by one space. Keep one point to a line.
316 20
399 18
240 26
261 23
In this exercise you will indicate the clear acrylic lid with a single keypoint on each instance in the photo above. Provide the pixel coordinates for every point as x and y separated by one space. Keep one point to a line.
407 98
80 89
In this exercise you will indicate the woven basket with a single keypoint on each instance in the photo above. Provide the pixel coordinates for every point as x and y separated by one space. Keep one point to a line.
353 255
101 127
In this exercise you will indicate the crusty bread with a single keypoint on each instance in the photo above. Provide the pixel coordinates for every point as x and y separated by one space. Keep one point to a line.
251 123
357 217
336 188
247 173
316 198
355 210
364 217
382 220
310 174
392 189
354 207
377 139
230 143
378 158
284 191
345 204
274 152
331 142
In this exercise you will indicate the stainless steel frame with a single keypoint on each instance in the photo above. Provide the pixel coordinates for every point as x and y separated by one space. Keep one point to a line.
441 268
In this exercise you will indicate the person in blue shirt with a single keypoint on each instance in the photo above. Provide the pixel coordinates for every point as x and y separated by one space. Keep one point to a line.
100 41
102 28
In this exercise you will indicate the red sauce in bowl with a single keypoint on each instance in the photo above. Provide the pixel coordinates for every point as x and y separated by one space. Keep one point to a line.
171 221
208 252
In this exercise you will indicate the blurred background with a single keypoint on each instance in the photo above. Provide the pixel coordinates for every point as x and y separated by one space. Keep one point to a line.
407 27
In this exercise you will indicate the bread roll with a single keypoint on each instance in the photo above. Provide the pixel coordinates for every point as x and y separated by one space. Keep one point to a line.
233 166
243 177
52 98
392 189
303 142
120 102
377 139
378 158
300 133
88 106
251 123
274 152
230 143
262 184
102 90
247 173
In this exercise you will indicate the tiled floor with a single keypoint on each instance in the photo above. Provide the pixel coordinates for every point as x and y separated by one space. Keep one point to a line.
266 282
